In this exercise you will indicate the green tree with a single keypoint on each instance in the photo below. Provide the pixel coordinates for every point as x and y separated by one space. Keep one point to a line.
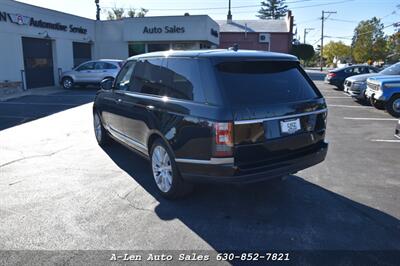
272 9
369 42
303 51
393 47
336 49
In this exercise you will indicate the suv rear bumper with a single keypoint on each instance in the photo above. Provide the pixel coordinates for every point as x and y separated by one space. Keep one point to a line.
229 173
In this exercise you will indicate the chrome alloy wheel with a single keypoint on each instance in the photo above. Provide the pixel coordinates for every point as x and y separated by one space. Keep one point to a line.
67 83
162 169
97 127
396 105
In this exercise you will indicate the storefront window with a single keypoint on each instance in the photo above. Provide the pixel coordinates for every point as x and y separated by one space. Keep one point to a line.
184 46
136 48
154 47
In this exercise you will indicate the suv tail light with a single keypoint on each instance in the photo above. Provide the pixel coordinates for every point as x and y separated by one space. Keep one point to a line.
223 140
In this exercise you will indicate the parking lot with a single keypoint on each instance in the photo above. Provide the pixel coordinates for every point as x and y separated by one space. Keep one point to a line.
60 190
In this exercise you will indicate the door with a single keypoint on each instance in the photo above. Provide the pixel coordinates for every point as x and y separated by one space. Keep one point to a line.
103 69
38 62
82 52
84 73
149 79
113 110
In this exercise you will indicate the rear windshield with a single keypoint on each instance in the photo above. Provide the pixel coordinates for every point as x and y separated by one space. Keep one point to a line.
264 82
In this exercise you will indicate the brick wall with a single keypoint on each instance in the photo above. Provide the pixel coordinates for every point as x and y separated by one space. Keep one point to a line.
280 42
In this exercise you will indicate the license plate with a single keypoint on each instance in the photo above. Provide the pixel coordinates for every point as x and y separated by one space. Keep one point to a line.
290 126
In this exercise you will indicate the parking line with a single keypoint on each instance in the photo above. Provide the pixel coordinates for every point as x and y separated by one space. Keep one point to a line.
56 104
386 140
349 106
370 118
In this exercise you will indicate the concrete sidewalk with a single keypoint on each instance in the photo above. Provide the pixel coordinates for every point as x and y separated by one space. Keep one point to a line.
38 91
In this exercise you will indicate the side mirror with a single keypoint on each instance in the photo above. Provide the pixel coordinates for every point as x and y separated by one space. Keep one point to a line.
107 84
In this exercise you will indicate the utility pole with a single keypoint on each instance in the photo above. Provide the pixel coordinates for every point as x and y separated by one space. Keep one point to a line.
229 16
97 9
306 30
322 35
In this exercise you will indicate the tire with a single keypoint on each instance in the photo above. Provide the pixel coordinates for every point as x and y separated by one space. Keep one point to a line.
377 104
393 105
67 83
99 131
166 175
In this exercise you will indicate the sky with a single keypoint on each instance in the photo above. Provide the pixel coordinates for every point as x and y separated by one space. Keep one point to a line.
307 13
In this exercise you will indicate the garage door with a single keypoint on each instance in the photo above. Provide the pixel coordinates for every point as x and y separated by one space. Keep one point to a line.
38 62
82 53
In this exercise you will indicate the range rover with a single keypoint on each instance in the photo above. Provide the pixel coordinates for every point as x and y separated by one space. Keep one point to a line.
214 116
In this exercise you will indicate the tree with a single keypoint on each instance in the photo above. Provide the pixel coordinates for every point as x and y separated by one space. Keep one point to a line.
272 9
119 13
369 42
303 51
115 13
132 12
393 47
337 50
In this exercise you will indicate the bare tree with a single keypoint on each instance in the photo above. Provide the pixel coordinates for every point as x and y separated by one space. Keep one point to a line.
119 13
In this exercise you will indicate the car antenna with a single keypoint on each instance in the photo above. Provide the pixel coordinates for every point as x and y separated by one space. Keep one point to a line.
235 47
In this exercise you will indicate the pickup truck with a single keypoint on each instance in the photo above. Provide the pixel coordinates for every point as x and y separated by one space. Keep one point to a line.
384 93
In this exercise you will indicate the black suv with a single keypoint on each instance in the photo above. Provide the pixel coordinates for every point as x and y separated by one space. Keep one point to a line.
214 115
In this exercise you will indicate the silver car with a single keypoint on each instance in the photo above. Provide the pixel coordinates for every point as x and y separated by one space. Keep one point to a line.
355 86
90 72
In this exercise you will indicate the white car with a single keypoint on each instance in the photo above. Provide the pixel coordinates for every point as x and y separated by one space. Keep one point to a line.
91 72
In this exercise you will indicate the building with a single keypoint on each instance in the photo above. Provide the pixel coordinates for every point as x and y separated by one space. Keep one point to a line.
268 35
37 44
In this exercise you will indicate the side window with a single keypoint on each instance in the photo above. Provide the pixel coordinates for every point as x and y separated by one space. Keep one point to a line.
358 70
371 70
87 66
149 77
100 65
348 70
185 79
124 77
109 66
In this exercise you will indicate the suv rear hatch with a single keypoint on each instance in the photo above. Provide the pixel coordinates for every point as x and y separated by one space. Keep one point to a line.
278 112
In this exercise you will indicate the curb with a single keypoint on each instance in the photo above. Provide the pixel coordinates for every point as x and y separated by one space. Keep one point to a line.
38 92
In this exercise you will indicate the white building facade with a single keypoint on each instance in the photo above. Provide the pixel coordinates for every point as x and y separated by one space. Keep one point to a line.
37 44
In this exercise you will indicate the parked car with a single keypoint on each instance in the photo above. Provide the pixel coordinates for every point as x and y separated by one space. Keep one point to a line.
337 76
91 72
214 116
384 93
355 86
397 130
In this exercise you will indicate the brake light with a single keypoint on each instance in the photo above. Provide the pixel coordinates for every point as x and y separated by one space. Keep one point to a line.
223 140
330 74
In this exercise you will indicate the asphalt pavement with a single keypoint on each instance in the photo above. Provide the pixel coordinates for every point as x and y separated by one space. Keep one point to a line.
60 190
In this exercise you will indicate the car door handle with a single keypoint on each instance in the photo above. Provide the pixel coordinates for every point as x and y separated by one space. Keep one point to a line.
104 70
118 101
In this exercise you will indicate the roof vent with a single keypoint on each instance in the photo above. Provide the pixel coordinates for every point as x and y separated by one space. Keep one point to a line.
235 47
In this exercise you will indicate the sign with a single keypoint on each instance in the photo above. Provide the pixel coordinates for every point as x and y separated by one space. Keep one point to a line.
30 21
166 29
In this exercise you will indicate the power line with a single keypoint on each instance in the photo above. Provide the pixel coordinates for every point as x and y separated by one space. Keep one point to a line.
238 7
